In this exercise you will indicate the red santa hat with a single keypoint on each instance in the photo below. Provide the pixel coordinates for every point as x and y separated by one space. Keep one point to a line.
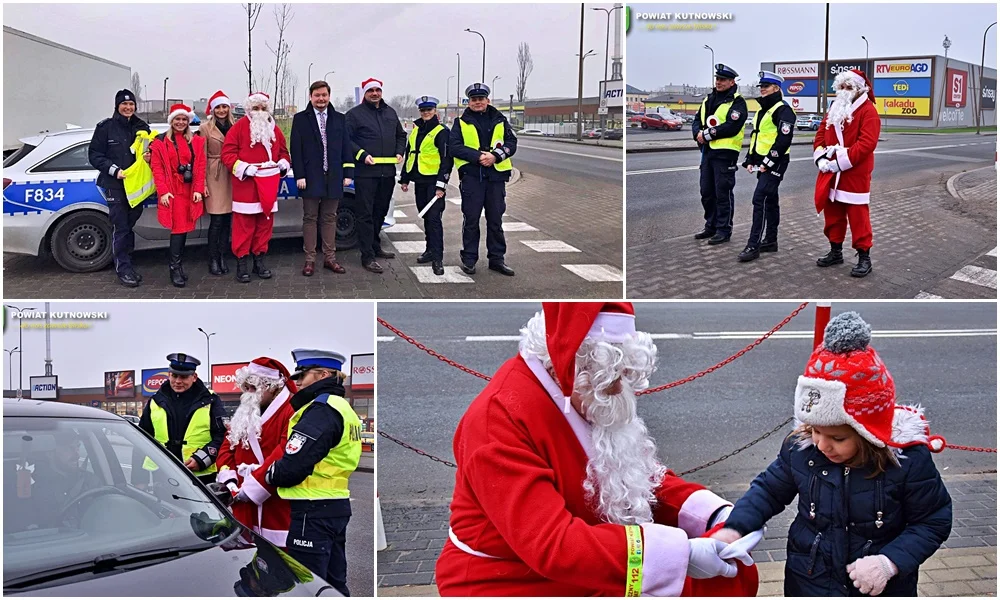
271 369
218 99
180 109
846 383
257 98
568 324
370 83
858 78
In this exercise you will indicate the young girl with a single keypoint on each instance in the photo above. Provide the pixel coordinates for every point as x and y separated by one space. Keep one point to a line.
872 506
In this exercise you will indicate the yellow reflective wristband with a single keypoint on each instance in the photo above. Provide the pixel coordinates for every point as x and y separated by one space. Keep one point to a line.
633 578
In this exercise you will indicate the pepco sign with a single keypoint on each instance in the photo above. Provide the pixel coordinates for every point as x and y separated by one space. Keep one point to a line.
224 378
152 379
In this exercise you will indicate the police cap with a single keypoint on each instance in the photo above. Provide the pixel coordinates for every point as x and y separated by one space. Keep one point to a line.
477 90
183 364
306 358
426 102
725 72
769 78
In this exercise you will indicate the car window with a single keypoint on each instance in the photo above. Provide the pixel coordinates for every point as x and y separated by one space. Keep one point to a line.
20 153
71 159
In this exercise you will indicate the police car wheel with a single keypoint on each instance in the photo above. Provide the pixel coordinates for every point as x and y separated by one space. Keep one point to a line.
347 234
81 242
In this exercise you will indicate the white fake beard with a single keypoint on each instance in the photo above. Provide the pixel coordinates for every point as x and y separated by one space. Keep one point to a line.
840 110
261 128
246 420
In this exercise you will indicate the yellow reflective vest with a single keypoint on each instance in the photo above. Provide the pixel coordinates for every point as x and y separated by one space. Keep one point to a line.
198 434
427 157
139 177
765 132
470 136
330 476
722 114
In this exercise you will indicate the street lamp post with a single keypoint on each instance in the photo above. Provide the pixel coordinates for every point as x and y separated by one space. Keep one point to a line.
484 52
982 64
208 353
711 81
458 87
309 78
20 353
607 39
165 111
493 86
10 366
946 43
579 100
447 90
866 51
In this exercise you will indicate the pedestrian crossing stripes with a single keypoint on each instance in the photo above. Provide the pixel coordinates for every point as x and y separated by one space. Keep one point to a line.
977 276
516 226
404 228
982 274
596 273
549 246
451 275
398 214
409 247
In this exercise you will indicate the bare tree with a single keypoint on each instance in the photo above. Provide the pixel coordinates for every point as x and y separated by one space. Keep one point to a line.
252 11
524 68
404 105
282 18
346 104
136 86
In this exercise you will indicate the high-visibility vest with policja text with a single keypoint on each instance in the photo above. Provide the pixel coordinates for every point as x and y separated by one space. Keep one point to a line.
427 157
722 113
470 136
330 476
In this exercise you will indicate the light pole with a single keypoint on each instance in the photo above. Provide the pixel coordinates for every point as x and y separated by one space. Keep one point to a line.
484 52
711 82
447 90
607 39
10 367
493 86
579 100
458 87
982 63
20 353
866 51
946 43
208 352
165 111
309 78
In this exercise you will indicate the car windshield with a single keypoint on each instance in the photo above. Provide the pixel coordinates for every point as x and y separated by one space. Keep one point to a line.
75 490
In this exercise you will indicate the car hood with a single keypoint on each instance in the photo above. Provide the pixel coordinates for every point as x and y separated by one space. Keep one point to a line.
234 568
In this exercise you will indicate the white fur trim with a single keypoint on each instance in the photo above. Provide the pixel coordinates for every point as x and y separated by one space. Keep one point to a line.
218 102
374 83
909 425
275 404
821 402
581 428
251 208
665 553
226 474
255 491
856 79
613 327
262 371
697 511
466 548
819 153
256 98
240 169
842 160
850 197
278 537
176 113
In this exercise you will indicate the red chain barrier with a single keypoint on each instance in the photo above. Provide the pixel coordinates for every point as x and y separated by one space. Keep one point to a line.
969 448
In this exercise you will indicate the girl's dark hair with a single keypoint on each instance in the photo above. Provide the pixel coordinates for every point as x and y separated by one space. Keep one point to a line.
879 460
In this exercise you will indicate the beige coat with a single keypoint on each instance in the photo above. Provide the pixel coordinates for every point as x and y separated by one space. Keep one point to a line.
218 179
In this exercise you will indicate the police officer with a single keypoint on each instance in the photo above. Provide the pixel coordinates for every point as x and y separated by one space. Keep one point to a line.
110 153
428 165
323 449
718 129
187 418
482 145
768 155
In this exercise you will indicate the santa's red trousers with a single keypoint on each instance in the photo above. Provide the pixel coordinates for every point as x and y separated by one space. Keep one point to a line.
837 215
251 233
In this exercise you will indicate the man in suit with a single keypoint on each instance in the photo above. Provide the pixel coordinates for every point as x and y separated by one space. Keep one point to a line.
321 160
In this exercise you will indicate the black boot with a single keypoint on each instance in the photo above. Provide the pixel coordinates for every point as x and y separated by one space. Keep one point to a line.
243 269
224 243
767 246
864 265
749 253
424 258
259 268
834 257
214 245
437 267
704 234
176 254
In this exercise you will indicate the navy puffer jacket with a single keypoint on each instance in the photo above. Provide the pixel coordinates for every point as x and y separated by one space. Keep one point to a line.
844 514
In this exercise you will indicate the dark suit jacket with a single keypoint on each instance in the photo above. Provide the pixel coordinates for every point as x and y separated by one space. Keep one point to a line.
307 153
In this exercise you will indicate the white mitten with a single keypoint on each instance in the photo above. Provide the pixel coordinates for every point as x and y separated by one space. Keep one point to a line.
721 516
871 573
241 497
740 549
704 561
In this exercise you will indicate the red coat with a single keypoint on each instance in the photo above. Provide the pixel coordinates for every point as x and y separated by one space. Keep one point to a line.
182 214
519 499
267 514
237 154
856 156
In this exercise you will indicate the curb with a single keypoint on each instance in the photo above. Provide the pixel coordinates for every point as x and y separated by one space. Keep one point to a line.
686 148
365 469
578 143
952 188
515 176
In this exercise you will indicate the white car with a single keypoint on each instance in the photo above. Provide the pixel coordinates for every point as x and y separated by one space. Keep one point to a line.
52 206
530 132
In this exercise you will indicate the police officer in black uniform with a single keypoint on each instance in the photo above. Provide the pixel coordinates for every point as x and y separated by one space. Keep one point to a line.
110 153
777 124
483 170
718 129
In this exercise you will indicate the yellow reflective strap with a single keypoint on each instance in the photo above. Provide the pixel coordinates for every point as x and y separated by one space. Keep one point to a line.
359 154
348 165
384 160
236 166
633 578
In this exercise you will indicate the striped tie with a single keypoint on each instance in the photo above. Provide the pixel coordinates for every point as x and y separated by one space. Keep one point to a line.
322 134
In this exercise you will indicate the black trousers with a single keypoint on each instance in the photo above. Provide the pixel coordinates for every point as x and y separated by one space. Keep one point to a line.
373 195
123 218
718 178
479 195
433 229
766 214
319 541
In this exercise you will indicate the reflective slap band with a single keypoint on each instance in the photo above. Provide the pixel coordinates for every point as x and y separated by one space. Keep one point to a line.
633 578
385 160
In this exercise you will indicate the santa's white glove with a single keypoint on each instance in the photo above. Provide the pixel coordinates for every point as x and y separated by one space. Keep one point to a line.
241 497
740 549
871 573
832 166
821 165
268 164
831 150
704 561
250 171
245 470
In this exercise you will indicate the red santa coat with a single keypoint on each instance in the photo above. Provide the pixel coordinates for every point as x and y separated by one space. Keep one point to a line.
520 524
254 194
267 514
165 158
855 157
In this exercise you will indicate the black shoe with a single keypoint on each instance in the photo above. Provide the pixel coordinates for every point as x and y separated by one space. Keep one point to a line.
769 247
502 269
749 253
135 275
718 238
864 265
469 269
176 276
380 253
834 257
373 266
213 265
259 268
128 280
437 267
424 258
243 269
704 234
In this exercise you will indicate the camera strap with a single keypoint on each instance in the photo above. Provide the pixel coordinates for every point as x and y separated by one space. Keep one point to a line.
173 138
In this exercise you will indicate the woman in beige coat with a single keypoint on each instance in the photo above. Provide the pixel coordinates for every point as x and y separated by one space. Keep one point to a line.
218 184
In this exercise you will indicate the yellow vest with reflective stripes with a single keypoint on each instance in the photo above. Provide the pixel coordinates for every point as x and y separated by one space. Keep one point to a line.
722 113
470 135
428 157
330 475
198 434
763 138
139 177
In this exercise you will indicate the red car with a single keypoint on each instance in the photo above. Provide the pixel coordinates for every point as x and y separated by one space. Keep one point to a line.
658 121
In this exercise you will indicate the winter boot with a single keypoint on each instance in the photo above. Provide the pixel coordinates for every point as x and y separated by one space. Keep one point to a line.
864 265
214 245
834 257
224 243
243 269
175 271
259 268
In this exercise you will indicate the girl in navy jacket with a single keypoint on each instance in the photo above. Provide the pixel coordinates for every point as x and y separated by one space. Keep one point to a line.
871 504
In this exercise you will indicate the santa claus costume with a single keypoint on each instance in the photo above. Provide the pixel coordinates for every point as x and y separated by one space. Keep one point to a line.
550 503
256 153
253 442
844 152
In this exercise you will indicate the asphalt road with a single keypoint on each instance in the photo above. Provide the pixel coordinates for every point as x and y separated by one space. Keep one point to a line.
664 200
422 399
568 163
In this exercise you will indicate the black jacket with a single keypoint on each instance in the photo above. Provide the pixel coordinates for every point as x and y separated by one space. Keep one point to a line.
111 148
307 153
484 122
441 143
916 517
783 118
180 408
736 118
377 132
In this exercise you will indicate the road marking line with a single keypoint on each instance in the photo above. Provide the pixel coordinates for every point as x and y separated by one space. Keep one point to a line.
928 296
455 201
409 247
796 335
596 273
404 228
451 275
571 153
492 338
976 276
517 226
671 336
384 338
398 214
549 246
992 252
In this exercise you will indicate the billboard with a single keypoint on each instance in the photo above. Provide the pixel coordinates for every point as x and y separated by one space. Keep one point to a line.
956 82
44 387
902 67
799 70
835 68
904 87
803 106
903 107
119 384
224 378
801 88
989 94
613 93
152 379
362 371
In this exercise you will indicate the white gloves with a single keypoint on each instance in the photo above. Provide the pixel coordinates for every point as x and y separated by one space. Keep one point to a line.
250 171
871 573
245 470
704 561
283 165
740 549
822 164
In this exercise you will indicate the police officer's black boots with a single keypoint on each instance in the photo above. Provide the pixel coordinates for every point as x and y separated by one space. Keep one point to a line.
176 248
243 269
437 267
718 238
502 268
704 234
749 253
864 265
424 258
259 268
834 257
767 246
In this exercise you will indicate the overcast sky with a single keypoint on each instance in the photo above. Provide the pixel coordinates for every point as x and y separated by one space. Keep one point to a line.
779 32
139 335
411 48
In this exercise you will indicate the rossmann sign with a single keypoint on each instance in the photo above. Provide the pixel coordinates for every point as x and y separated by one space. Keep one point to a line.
799 70
903 67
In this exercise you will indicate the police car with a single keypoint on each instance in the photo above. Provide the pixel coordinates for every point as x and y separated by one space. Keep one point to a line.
53 207
808 122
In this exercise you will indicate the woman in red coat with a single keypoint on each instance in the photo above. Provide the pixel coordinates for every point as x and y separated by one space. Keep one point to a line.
178 162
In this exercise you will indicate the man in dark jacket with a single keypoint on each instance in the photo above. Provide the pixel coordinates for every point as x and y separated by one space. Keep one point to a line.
376 130
718 129
428 165
110 153
322 163
482 143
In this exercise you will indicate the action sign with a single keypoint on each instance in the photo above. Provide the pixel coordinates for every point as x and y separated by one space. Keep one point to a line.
44 387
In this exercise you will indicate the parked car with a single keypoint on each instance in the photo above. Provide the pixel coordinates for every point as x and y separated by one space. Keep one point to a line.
808 122
593 133
131 419
52 206
613 134
95 507
658 121
530 132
